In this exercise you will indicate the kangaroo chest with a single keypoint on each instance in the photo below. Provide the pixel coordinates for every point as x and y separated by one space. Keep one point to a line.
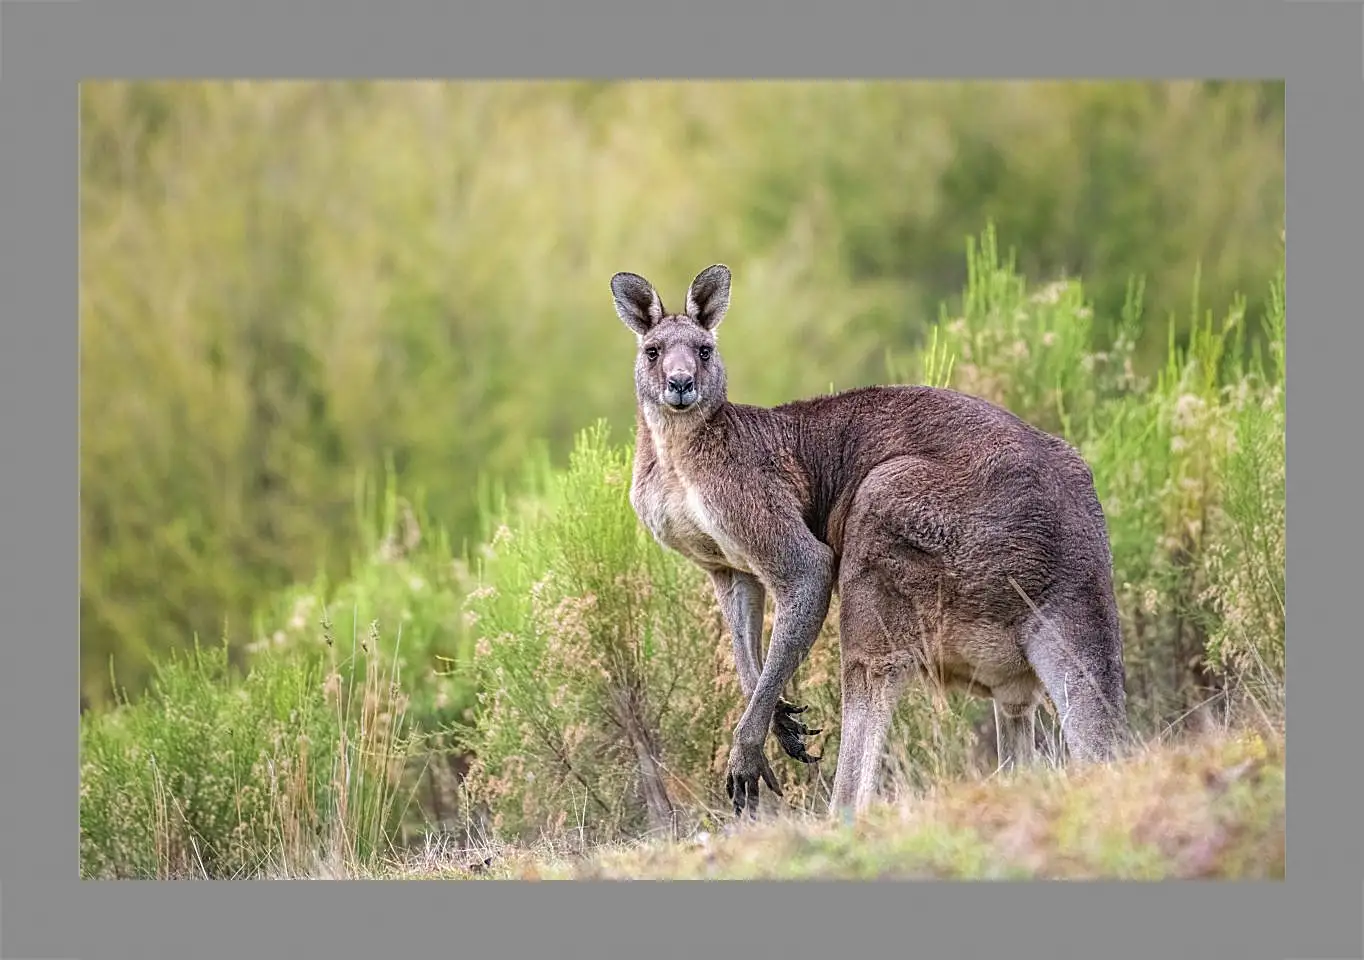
680 517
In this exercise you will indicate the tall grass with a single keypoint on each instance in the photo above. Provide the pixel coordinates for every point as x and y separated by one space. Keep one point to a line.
602 665
293 769
407 577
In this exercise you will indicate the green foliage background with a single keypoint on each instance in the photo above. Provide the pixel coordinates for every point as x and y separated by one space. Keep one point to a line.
286 287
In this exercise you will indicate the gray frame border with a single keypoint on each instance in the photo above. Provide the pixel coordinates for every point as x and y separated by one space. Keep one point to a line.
49 47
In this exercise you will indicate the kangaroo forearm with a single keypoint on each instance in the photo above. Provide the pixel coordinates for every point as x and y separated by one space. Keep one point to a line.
795 629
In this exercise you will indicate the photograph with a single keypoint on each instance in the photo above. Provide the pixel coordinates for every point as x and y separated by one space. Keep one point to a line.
682 479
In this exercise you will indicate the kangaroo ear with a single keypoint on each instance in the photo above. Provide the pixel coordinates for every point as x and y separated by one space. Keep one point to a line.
637 303
709 296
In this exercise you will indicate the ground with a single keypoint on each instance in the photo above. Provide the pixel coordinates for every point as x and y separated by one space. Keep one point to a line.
1212 809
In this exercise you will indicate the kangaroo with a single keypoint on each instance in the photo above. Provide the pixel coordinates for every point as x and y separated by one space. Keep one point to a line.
965 545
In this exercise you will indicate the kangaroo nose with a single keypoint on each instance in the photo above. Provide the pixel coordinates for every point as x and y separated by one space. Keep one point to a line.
681 382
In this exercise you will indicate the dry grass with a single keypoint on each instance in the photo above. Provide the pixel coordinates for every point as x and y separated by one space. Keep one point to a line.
1210 809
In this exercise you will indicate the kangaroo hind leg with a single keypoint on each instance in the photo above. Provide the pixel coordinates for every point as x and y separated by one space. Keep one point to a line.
1075 648
876 665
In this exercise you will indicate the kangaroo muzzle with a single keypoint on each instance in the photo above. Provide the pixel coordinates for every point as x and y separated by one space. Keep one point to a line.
680 391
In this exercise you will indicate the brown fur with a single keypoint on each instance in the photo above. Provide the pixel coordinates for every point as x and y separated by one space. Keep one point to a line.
965 544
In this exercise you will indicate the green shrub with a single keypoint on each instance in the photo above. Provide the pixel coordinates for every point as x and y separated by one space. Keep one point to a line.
215 776
603 671
406 579
408 584
1245 562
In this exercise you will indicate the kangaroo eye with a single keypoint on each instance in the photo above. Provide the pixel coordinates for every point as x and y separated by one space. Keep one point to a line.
704 353
652 353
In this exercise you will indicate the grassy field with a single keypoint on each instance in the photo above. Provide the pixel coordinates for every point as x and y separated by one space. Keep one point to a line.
1212 809
436 709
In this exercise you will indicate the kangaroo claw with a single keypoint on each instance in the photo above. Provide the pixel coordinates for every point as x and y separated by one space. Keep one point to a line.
747 768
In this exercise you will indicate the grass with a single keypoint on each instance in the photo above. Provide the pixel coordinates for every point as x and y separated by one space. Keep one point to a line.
1210 809
215 776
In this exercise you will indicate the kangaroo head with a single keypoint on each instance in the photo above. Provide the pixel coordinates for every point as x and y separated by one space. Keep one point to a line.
677 369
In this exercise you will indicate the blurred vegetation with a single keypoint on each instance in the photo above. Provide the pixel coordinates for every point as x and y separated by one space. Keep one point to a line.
285 286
